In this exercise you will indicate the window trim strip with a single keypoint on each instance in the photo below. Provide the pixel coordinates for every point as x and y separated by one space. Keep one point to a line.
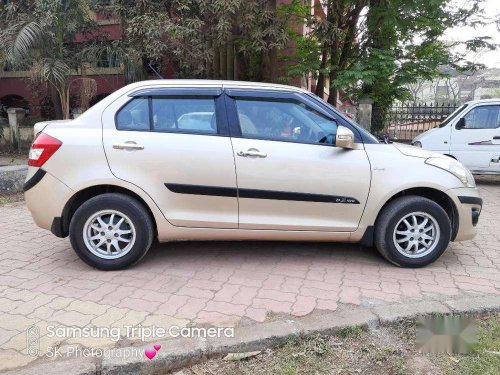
177 91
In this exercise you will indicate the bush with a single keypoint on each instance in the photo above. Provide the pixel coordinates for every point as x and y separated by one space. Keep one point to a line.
31 120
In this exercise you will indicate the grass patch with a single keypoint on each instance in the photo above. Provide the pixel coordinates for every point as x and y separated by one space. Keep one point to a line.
353 332
350 351
11 198
354 350
485 356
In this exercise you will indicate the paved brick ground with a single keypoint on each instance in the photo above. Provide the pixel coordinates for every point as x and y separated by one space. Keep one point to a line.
43 282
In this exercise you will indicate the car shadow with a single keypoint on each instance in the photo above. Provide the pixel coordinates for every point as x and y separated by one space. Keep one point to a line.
487 180
259 252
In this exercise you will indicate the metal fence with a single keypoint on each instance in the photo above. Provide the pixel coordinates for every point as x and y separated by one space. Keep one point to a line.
407 120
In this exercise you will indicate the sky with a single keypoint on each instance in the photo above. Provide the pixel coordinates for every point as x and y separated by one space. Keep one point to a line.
490 58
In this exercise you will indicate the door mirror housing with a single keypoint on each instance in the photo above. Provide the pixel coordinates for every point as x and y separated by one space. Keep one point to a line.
460 124
344 137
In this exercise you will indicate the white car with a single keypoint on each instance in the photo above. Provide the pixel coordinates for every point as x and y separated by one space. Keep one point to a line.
220 160
470 135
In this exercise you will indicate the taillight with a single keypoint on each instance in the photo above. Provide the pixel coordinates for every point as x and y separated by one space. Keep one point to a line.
43 147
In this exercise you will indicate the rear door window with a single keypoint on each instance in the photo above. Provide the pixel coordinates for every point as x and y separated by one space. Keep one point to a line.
167 114
195 115
134 115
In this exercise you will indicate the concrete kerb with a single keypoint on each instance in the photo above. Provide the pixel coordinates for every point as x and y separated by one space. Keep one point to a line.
178 353
12 178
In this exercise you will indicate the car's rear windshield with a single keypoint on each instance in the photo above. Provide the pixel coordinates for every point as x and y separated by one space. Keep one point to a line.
452 116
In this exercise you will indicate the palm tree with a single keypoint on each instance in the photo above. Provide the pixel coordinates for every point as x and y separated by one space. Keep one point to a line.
39 36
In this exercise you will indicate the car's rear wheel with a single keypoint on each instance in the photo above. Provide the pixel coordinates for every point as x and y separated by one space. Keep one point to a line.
412 231
111 231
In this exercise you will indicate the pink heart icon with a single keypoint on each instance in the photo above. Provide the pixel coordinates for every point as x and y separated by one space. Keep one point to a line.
150 353
157 347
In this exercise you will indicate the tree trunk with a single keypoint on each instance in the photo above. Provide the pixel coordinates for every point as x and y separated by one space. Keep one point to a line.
273 65
56 101
335 66
320 84
223 61
216 64
230 60
64 94
333 96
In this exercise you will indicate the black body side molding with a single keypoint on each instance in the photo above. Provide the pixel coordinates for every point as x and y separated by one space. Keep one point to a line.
258 194
216 191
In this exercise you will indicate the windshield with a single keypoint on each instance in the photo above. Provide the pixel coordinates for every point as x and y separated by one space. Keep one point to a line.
452 116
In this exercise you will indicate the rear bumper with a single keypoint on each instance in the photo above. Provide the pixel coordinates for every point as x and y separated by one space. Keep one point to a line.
469 205
45 198
34 179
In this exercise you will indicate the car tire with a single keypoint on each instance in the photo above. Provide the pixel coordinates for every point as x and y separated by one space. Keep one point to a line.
111 231
405 228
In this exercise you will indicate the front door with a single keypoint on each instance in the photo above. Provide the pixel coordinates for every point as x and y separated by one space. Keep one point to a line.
477 142
290 175
170 143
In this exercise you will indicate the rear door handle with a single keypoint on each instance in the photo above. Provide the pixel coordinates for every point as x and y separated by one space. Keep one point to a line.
252 152
496 137
129 145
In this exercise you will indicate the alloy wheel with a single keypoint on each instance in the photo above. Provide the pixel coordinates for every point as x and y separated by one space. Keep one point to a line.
416 234
109 234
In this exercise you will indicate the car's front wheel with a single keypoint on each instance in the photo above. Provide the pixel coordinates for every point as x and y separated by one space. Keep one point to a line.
412 231
111 231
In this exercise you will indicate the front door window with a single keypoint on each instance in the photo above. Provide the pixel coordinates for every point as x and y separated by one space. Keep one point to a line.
484 117
284 121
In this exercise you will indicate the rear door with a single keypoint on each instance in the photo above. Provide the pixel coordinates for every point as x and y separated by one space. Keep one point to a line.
173 144
290 174
477 143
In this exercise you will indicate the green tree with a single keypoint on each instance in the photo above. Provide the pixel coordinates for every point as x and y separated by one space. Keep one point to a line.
39 36
403 43
334 33
375 48
201 38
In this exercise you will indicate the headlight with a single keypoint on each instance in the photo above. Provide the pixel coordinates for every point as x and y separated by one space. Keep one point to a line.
454 167
417 144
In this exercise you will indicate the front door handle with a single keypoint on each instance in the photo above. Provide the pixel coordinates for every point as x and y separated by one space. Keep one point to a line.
496 137
129 145
252 152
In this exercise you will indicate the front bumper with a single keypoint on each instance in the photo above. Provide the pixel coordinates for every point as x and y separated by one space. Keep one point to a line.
45 198
469 205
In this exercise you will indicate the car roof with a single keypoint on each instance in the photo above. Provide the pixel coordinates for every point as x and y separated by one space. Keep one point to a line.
208 82
183 83
494 100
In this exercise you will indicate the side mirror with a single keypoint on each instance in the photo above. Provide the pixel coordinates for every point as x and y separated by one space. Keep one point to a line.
344 138
460 124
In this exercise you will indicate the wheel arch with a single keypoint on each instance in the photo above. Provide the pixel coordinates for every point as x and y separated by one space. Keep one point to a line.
438 196
93 191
